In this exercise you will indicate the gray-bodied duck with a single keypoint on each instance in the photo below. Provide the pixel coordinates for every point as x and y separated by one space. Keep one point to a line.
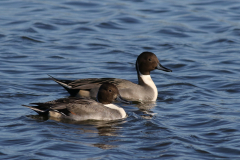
145 90
78 108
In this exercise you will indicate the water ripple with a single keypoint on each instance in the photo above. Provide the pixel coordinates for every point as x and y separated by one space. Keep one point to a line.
44 26
196 115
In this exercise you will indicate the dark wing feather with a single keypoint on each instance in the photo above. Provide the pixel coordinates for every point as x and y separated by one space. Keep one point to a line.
86 84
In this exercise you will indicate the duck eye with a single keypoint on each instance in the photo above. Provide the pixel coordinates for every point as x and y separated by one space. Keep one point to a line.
149 60
110 90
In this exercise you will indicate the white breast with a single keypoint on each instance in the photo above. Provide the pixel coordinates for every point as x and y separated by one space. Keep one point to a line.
121 110
148 81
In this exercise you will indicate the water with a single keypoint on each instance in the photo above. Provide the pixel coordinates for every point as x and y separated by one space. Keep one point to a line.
196 115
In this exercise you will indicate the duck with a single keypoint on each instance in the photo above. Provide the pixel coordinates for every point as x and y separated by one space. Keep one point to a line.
145 90
80 108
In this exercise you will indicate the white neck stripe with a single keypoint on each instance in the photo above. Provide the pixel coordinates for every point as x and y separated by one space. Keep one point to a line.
148 81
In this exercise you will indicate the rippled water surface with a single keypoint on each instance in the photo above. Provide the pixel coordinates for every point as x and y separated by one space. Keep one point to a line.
196 115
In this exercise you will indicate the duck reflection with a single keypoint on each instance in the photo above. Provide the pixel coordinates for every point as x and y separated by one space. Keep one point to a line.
144 109
145 105
104 128
90 128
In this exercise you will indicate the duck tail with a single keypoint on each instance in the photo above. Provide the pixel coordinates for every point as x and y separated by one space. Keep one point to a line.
64 84
39 110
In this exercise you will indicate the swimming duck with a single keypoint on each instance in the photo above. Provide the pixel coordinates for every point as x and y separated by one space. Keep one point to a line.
145 90
78 108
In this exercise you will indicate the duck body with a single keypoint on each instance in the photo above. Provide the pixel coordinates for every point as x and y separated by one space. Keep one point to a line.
78 108
127 89
145 90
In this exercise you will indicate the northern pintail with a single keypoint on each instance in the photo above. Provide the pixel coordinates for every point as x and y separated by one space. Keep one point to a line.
145 90
78 108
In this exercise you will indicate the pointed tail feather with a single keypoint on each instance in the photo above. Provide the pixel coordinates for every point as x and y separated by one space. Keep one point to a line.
39 111
60 82
64 84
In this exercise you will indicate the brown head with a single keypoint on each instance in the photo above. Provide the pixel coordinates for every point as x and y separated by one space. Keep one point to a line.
147 62
108 93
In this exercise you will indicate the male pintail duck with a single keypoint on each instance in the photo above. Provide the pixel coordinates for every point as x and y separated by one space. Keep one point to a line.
79 109
145 90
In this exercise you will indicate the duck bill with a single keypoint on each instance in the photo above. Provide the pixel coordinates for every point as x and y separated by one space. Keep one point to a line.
160 67
120 99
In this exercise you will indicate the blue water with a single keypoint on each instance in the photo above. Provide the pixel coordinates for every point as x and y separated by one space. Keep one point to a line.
196 115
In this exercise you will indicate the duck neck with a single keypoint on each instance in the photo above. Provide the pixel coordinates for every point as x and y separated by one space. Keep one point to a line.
144 80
